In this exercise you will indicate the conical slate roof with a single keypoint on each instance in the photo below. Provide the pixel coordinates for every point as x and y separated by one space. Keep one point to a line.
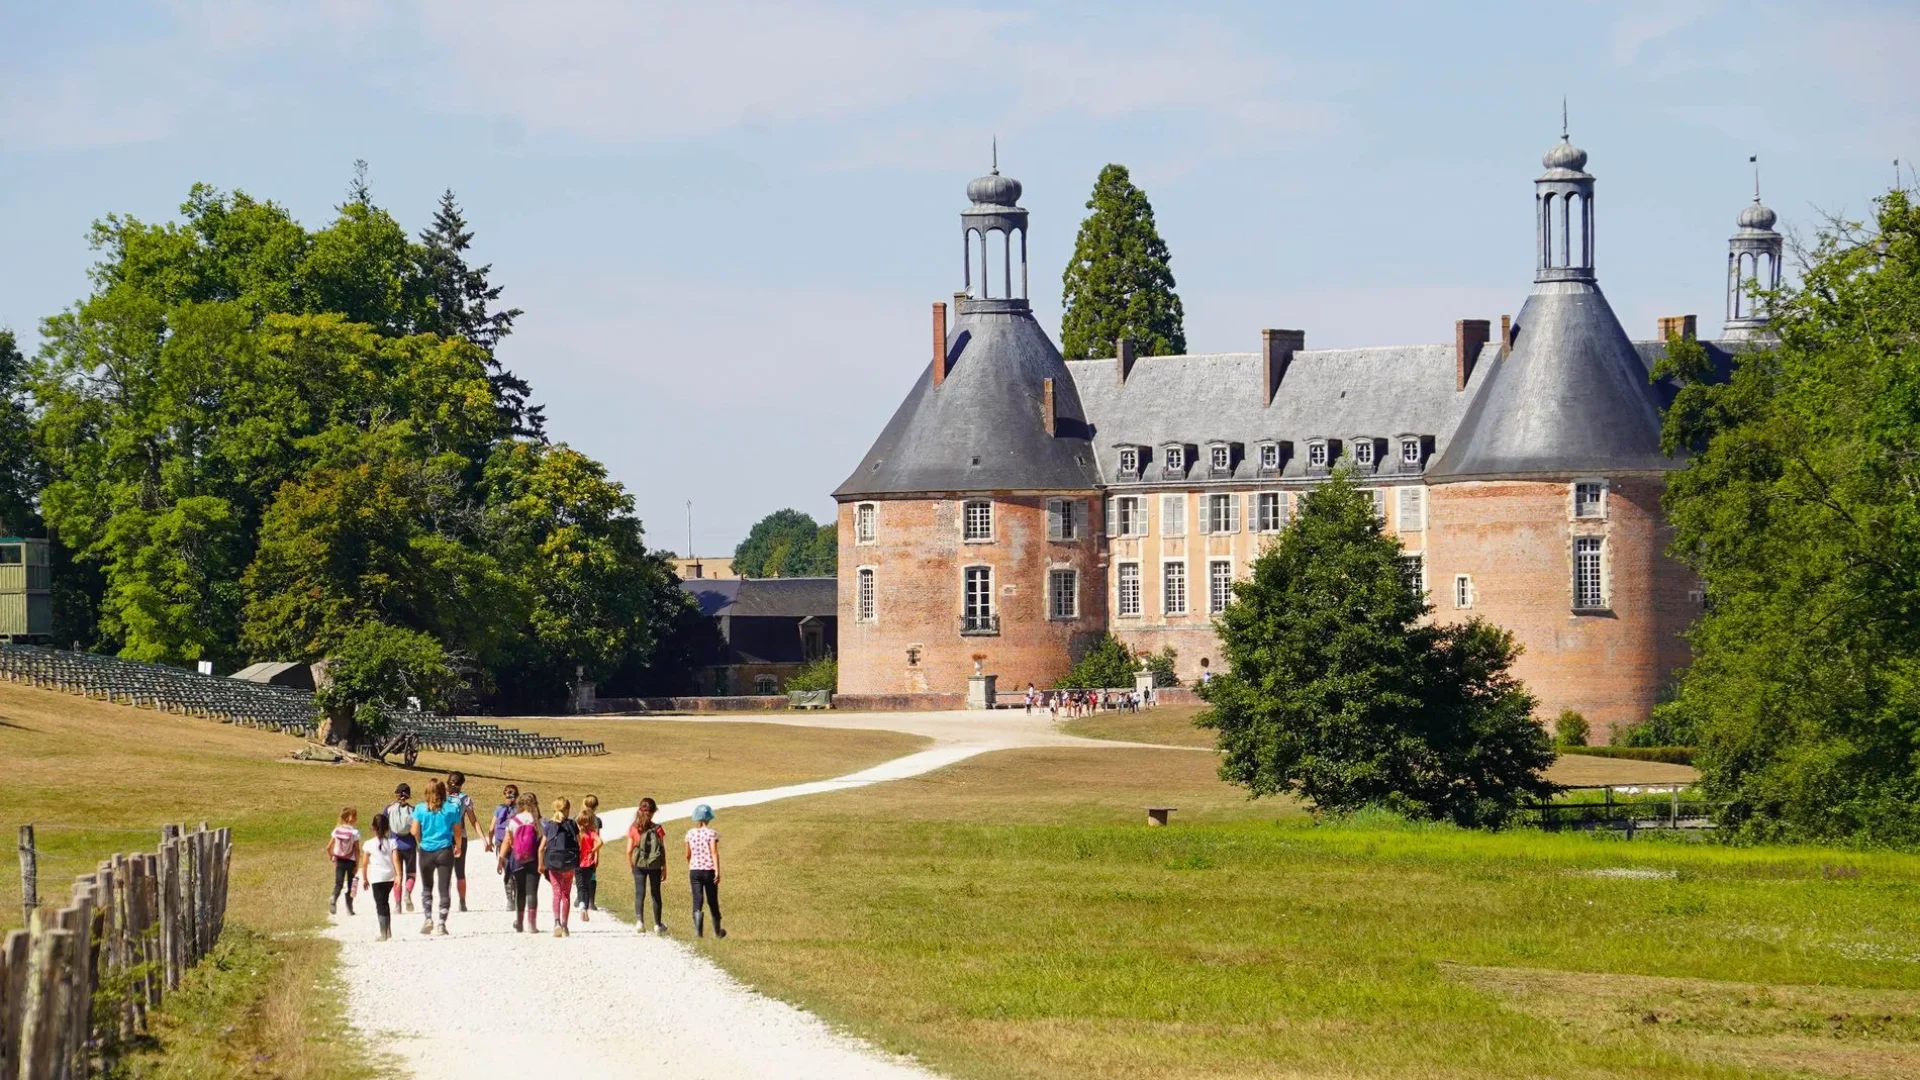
1571 399
982 428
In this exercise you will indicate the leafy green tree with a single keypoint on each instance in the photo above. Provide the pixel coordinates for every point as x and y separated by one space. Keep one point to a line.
459 302
1107 664
1119 284
821 674
376 669
21 475
1799 508
788 543
1338 693
1162 666
1570 728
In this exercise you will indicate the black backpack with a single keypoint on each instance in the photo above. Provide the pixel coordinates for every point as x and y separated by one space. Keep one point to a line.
563 845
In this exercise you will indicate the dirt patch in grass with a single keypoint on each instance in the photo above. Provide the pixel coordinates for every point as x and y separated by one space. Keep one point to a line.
1168 725
1826 1031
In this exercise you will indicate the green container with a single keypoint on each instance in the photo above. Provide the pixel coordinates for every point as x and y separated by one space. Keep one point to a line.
26 589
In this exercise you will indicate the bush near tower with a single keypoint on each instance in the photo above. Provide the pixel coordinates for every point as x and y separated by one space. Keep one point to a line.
1337 693
1119 284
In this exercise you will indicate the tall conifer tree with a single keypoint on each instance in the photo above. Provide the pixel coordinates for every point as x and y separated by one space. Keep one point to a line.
458 304
1118 284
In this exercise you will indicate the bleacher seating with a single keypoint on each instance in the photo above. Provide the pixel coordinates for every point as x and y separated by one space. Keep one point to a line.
273 708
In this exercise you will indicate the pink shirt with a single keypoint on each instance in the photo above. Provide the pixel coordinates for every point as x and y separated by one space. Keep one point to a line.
700 842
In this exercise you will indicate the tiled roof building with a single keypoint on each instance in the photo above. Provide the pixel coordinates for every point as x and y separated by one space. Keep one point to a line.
1017 506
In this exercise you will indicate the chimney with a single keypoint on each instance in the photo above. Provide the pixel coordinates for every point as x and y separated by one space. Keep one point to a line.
1469 337
939 343
1276 352
1506 335
1684 326
1123 358
1046 405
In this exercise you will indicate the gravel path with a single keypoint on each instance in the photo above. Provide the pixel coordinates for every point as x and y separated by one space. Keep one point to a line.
485 1002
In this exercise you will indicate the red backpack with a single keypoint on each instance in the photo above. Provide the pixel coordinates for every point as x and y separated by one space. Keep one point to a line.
526 842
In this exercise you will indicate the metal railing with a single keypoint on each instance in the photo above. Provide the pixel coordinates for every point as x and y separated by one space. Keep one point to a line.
979 624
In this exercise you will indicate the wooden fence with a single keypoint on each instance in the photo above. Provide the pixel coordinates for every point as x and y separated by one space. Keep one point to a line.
75 986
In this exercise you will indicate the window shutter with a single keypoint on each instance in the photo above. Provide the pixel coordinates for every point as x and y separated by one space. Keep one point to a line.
1113 522
1173 515
1233 513
1206 515
1140 515
1413 516
1079 509
1054 509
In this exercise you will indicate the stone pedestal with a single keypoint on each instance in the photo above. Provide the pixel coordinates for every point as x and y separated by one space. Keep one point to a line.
981 691
1143 683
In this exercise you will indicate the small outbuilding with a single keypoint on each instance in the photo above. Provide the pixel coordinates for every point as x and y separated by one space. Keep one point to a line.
768 627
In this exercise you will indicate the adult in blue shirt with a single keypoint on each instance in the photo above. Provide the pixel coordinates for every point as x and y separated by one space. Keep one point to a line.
441 835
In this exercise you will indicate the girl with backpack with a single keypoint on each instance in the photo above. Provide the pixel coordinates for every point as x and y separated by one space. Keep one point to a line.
343 847
379 865
587 878
647 856
559 858
440 834
519 860
502 814
400 815
703 868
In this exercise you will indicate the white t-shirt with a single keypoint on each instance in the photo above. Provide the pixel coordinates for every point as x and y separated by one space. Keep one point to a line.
380 860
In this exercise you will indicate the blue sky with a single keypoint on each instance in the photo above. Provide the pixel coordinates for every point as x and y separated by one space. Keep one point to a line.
726 220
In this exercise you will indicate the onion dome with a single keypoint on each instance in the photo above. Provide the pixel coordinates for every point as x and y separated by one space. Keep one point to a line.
1756 215
994 190
1565 155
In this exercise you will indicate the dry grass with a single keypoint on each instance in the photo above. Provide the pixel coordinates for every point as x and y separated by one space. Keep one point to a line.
96 778
1585 770
1168 725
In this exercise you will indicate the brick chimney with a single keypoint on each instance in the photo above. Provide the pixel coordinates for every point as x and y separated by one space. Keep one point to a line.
1684 326
939 343
1469 337
1123 358
1506 335
1046 405
1276 352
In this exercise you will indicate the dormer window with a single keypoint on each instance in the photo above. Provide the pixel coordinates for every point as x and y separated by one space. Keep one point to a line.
1317 454
1270 456
1410 451
1175 460
1221 457
1363 452
1129 461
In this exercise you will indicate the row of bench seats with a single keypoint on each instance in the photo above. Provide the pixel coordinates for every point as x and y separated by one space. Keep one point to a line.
282 709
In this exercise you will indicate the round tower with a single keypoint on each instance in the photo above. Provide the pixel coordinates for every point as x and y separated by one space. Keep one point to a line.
1753 265
970 528
1544 507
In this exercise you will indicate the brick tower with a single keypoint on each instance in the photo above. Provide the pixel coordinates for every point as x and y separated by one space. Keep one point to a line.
969 528
1545 505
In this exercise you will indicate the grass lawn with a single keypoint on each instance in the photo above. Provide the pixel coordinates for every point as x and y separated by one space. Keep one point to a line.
1167 725
1011 916
96 778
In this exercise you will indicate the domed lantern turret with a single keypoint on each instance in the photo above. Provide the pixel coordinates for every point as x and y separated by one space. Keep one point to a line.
1563 212
991 221
1753 264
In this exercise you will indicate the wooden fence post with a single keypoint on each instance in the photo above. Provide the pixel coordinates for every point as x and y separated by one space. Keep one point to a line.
41 1017
13 986
29 875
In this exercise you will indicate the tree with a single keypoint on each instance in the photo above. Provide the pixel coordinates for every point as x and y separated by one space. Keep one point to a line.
1570 728
20 470
788 543
1799 509
1338 693
379 669
459 303
1118 284
1106 665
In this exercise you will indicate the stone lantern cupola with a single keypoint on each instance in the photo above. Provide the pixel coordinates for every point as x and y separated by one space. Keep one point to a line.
1563 213
988 228
1753 264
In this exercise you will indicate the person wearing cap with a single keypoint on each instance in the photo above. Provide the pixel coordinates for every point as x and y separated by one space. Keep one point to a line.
703 868
400 819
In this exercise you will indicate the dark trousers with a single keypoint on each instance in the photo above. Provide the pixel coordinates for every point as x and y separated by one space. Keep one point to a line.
644 879
525 886
343 870
586 886
383 903
704 886
460 865
436 874
407 870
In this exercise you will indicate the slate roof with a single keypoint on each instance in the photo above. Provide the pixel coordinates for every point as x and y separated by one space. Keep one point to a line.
981 429
1571 399
1337 394
794 598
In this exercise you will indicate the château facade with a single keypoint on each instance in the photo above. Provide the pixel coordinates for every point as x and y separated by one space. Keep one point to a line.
1017 505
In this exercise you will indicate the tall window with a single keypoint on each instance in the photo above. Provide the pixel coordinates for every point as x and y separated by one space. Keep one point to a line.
979 520
1063 594
1173 588
863 523
1462 591
1363 451
1589 500
1128 587
1410 451
1175 459
1223 513
1130 515
1219 585
863 595
1317 455
1270 514
1222 458
1129 461
1586 573
1378 497
1063 519
1414 569
1270 455
976 612
1173 515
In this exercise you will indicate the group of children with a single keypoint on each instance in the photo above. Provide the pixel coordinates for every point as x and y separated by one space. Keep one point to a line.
427 842
1074 703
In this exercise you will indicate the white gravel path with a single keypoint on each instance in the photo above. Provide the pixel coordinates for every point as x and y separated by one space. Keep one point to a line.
485 1002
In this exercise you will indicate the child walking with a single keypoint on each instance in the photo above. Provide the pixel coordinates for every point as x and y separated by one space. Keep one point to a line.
519 861
586 880
647 855
400 815
502 814
703 868
379 865
559 858
343 847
